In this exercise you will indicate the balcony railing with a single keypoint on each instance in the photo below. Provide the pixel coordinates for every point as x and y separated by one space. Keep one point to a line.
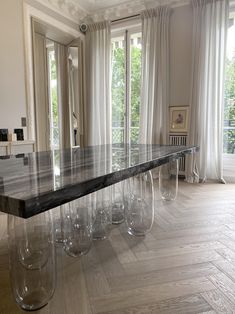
229 124
118 135
229 136
229 139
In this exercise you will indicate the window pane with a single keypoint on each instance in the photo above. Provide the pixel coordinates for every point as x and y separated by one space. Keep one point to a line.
135 86
118 89
56 138
229 105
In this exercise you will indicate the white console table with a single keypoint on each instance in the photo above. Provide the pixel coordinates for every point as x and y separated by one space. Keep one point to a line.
16 147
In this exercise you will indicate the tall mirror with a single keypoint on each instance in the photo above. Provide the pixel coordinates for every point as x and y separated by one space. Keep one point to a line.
74 90
57 60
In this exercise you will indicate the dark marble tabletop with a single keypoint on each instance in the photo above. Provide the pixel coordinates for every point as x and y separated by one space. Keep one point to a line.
33 183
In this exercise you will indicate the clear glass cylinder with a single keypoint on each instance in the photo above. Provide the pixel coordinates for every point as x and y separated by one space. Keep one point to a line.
102 213
32 260
118 203
77 226
140 209
58 223
168 180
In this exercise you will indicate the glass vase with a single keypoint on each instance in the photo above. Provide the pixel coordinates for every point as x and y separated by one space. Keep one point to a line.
118 203
140 209
77 229
32 260
102 213
168 180
57 214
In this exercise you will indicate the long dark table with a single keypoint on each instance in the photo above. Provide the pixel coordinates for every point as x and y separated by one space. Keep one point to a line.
33 183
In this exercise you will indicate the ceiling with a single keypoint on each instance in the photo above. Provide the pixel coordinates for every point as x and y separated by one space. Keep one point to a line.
85 10
94 5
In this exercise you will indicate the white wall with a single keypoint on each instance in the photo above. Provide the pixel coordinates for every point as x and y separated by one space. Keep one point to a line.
52 13
13 104
12 68
180 55
12 74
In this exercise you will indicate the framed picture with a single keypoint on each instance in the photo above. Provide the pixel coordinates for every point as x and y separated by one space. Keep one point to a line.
179 119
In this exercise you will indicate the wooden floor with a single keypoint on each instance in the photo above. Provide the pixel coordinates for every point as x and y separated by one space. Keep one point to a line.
185 265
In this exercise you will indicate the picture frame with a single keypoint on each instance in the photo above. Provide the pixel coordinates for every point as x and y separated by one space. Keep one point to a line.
179 119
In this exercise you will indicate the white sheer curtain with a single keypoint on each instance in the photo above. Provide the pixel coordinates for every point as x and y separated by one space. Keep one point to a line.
210 19
97 124
61 54
155 76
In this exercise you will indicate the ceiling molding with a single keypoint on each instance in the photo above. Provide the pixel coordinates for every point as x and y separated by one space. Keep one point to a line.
130 8
97 10
119 11
67 8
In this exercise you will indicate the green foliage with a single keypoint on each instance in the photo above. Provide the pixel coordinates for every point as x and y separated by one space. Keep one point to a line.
135 92
53 70
54 101
135 85
118 87
229 108
118 93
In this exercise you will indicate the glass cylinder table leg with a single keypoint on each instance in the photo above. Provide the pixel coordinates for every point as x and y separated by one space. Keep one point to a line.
102 213
77 227
32 260
140 211
117 203
168 180
58 223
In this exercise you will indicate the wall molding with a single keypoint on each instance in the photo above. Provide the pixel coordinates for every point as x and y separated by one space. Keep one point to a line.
131 8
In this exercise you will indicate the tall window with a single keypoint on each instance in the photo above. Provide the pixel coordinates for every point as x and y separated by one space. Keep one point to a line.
126 83
53 98
229 109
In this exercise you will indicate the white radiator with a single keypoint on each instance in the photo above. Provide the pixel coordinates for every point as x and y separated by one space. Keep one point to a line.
179 140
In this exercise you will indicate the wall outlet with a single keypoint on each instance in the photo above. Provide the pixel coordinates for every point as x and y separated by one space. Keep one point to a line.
23 122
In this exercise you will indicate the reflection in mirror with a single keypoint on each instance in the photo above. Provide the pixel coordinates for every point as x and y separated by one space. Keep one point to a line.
53 96
73 92
56 87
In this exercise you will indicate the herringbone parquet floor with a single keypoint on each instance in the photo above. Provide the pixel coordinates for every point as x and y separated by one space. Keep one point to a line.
185 265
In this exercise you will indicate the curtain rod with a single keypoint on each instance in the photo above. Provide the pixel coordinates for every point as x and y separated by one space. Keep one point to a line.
126 18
